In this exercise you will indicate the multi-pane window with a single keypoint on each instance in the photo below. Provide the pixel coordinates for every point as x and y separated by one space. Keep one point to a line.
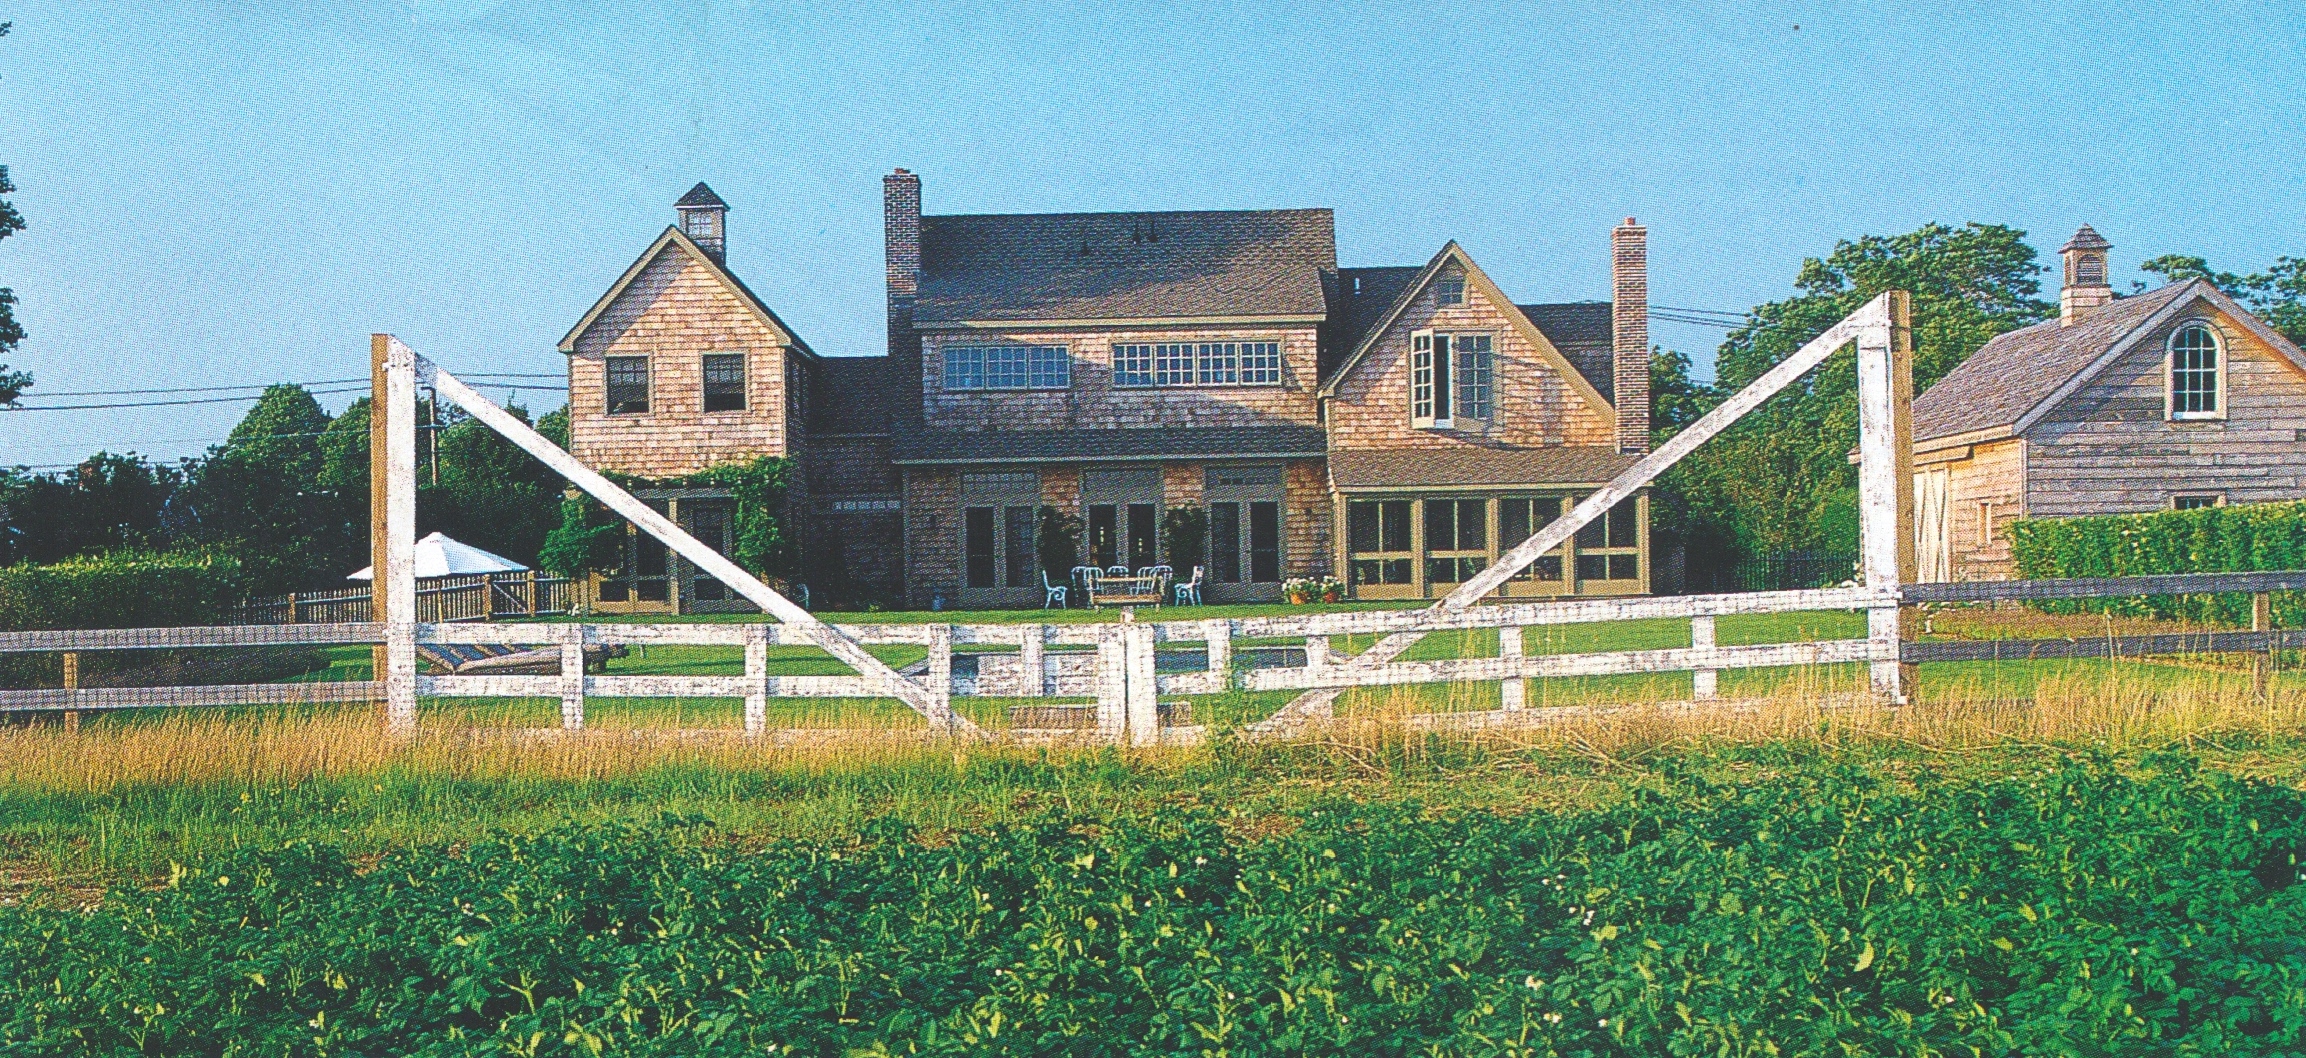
1518 519
1377 532
1173 364
1220 363
1260 363
1449 290
1456 540
628 385
1451 376
724 381
2194 372
2197 501
974 367
1609 547
1197 364
1473 376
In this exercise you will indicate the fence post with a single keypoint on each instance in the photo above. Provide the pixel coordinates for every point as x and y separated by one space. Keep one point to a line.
532 593
756 677
1316 653
1032 674
1219 636
1143 693
1112 684
572 678
1705 683
392 522
2262 663
1886 484
1513 691
941 666
71 683
292 617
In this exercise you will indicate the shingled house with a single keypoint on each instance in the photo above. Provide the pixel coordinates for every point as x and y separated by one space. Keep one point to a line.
2174 398
1397 427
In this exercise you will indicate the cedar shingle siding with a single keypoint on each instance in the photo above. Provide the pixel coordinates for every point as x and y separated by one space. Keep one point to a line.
892 460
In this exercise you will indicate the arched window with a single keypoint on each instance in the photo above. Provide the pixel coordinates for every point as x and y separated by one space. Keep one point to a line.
2196 367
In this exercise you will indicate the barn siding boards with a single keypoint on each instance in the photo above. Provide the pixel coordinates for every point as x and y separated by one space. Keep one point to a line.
1985 491
2096 452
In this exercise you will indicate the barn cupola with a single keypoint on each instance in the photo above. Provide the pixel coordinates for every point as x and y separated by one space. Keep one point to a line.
2086 286
704 219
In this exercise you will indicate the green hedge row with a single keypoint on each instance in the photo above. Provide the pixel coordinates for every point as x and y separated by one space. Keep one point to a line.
2080 909
122 589
2257 537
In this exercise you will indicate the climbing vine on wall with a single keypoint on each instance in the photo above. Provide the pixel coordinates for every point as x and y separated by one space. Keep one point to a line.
588 538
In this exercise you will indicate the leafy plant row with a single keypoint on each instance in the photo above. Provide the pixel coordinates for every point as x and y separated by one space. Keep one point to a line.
2239 539
2078 910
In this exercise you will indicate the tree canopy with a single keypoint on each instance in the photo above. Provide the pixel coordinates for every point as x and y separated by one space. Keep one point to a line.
2276 295
1780 480
13 383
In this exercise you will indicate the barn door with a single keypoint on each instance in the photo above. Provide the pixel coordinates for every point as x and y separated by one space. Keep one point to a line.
1933 544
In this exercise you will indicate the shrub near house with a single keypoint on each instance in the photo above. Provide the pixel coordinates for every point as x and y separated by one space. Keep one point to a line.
2255 537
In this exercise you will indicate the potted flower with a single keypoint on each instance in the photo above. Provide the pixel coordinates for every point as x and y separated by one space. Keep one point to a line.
1299 590
1331 589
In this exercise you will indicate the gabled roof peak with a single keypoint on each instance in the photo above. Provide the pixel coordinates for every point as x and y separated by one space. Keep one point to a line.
700 197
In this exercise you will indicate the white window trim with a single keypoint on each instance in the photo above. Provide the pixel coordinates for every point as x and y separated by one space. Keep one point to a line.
2224 349
945 382
1454 421
1193 365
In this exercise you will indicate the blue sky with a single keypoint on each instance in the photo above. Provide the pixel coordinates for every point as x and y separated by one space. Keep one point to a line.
232 191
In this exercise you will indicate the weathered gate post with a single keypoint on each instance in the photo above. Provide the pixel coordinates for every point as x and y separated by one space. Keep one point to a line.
1886 484
392 523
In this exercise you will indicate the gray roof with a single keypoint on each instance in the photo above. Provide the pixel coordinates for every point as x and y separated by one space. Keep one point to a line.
1359 300
1583 331
1098 446
1077 266
2086 239
2012 374
854 394
1410 468
700 195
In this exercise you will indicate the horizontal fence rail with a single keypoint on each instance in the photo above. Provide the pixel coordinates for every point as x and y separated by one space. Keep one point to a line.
1121 668
2103 587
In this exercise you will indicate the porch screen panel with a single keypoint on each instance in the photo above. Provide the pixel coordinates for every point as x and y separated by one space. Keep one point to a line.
1379 542
1456 540
1019 538
977 546
1265 543
1225 543
1519 518
1609 547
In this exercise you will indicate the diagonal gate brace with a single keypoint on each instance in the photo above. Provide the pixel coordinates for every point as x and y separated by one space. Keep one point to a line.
936 707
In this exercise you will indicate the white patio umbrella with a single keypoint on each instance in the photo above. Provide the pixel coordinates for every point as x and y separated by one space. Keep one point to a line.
439 556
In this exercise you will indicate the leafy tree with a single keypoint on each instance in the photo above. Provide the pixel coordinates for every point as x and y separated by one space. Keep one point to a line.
490 494
2276 295
1780 479
13 383
109 501
259 496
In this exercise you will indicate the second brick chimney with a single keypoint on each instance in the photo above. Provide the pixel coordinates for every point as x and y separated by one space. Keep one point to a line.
901 210
1629 332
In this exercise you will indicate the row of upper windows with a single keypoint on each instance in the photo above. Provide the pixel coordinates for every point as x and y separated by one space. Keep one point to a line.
971 368
627 388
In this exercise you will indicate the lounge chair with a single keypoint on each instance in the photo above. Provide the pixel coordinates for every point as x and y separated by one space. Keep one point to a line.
498 659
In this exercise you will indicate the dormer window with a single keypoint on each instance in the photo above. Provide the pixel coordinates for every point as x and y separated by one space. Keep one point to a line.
2197 384
1449 290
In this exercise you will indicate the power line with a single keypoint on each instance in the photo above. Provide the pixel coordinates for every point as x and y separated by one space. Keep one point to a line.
161 403
198 389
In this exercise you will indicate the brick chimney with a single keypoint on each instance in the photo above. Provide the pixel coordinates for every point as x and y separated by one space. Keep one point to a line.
704 219
1629 332
901 211
2086 286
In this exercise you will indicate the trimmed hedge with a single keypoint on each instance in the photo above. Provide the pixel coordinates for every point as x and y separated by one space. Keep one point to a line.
2241 539
121 589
